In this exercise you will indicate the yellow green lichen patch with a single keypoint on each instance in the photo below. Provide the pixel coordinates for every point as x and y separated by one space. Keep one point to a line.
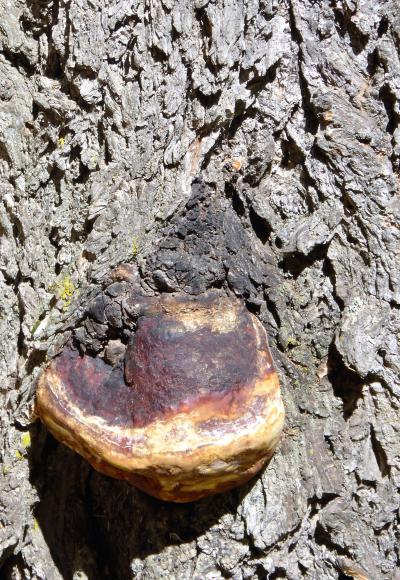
291 341
26 440
35 326
135 247
19 455
65 290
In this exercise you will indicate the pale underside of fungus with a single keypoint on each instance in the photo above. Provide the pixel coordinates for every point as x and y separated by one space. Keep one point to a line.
192 408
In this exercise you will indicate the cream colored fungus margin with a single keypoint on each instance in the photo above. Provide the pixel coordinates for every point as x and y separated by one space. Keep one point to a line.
165 442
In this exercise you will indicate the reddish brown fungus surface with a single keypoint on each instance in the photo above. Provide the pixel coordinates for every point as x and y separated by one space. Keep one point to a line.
171 369
190 407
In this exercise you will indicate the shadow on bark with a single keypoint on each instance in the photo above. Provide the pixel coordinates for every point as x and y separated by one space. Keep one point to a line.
98 527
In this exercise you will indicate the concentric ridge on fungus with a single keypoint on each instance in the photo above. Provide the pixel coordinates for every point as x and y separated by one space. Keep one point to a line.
193 408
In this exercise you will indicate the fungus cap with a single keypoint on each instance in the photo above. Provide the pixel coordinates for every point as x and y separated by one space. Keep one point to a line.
193 409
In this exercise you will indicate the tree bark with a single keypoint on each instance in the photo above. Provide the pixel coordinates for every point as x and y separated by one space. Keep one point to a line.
248 145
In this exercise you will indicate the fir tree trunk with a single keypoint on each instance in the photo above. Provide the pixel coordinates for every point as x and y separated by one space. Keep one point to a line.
251 145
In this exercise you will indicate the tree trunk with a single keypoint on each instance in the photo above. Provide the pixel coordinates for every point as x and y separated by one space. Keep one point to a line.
249 145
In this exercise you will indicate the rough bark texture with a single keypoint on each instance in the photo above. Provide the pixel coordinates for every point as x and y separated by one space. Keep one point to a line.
248 145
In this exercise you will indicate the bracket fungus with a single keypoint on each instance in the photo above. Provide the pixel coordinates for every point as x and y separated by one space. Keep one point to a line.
191 407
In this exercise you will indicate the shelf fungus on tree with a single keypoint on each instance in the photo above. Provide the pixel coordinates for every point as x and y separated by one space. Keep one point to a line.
192 407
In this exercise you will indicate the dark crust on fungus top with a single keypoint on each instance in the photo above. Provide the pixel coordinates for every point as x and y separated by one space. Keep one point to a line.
185 352
95 387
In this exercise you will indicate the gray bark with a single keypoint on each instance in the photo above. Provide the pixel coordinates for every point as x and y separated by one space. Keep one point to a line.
245 144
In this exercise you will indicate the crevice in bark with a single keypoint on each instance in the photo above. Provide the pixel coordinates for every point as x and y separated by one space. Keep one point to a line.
260 226
125 22
291 154
157 54
54 237
383 26
56 176
208 101
205 131
346 384
294 264
373 62
237 203
4 154
83 175
103 144
205 29
311 120
19 61
308 182
253 308
223 571
271 306
45 117
316 504
279 573
54 69
36 357
258 83
389 102
344 25
12 566
329 271
323 538
380 454
18 230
